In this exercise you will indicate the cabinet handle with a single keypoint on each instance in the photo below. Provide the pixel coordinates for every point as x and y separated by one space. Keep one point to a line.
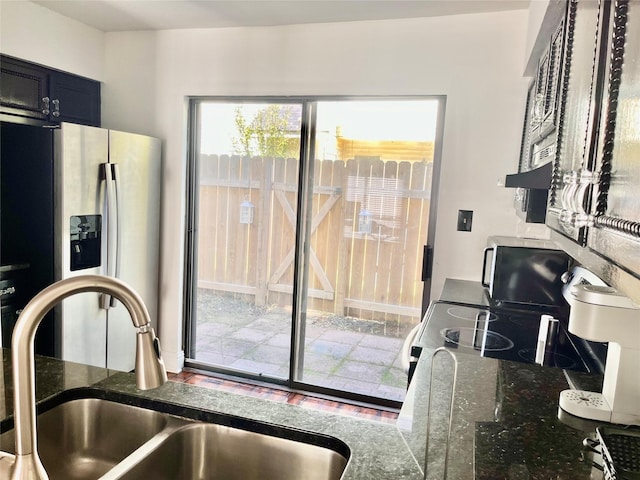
7 291
45 110
56 107
538 109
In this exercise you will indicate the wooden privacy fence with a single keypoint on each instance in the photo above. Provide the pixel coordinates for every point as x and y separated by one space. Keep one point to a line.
368 226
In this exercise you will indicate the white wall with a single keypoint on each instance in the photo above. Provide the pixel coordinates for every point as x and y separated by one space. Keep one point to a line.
37 34
129 90
476 60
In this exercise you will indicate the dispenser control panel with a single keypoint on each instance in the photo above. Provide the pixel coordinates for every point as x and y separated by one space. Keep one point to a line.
86 241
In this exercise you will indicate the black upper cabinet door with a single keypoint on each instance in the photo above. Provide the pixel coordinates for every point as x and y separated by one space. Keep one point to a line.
615 230
581 91
24 89
29 91
74 99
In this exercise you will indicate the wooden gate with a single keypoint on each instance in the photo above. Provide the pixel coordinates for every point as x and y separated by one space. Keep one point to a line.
367 271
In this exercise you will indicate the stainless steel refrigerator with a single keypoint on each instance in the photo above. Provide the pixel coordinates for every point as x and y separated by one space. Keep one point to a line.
106 221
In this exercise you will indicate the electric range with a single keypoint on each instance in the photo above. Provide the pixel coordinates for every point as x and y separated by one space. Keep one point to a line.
466 321
501 333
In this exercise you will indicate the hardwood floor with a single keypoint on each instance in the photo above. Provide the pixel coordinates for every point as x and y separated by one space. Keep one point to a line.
283 396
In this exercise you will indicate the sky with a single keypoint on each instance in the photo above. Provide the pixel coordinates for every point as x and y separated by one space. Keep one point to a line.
408 120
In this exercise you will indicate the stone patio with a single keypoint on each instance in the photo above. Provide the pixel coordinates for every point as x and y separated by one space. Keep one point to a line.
342 353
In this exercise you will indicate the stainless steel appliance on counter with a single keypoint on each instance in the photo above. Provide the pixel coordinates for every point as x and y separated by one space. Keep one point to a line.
524 271
91 207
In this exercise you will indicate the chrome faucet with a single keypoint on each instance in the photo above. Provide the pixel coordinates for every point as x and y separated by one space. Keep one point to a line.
150 371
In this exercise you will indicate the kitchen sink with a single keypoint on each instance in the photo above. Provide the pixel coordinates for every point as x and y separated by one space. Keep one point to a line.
85 438
208 451
91 438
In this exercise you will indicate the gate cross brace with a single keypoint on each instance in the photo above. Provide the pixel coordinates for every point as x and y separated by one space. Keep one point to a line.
313 258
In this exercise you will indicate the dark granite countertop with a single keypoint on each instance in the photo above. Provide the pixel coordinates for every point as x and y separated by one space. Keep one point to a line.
505 423
378 450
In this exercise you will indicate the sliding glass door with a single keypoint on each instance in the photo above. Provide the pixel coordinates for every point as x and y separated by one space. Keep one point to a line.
307 225
245 162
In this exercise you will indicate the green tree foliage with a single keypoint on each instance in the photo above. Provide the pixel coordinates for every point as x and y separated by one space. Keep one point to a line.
267 134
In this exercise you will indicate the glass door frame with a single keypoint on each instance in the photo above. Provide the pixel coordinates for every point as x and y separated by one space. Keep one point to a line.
302 243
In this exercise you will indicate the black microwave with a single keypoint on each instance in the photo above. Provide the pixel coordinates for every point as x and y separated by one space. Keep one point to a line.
524 271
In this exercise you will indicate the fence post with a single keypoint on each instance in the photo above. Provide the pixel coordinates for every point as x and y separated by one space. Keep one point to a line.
342 274
263 220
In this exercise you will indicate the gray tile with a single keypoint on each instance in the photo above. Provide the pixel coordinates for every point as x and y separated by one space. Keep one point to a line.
313 332
373 355
251 335
232 319
345 356
338 350
360 370
395 377
318 362
342 336
397 363
211 329
269 354
280 340
383 343
270 324
235 347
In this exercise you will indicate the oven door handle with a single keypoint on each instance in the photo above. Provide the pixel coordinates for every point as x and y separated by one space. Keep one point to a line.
405 352
484 265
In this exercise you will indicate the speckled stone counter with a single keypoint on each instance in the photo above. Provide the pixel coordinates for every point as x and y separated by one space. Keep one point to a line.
378 450
505 423
52 377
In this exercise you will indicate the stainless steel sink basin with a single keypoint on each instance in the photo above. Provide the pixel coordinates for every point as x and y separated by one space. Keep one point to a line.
207 451
85 438
89 438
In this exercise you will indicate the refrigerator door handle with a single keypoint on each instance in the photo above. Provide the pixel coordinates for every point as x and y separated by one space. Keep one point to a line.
118 224
106 301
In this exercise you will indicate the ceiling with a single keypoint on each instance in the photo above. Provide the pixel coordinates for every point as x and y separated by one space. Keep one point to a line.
125 15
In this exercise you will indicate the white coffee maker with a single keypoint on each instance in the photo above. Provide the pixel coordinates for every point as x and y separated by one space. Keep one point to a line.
602 314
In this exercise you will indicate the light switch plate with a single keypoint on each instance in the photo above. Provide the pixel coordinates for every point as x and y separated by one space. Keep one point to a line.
465 218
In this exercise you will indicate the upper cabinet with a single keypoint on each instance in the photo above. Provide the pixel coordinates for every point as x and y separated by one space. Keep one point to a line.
539 133
615 210
581 86
29 91
595 193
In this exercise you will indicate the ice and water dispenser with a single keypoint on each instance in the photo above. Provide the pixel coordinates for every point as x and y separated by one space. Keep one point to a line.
86 239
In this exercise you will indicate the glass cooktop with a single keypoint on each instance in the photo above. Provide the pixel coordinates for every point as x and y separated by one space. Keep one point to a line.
498 333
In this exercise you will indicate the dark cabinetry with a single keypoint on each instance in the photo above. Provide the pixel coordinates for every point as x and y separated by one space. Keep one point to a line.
30 91
614 220
542 106
582 83
539 133
595 193
26 224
